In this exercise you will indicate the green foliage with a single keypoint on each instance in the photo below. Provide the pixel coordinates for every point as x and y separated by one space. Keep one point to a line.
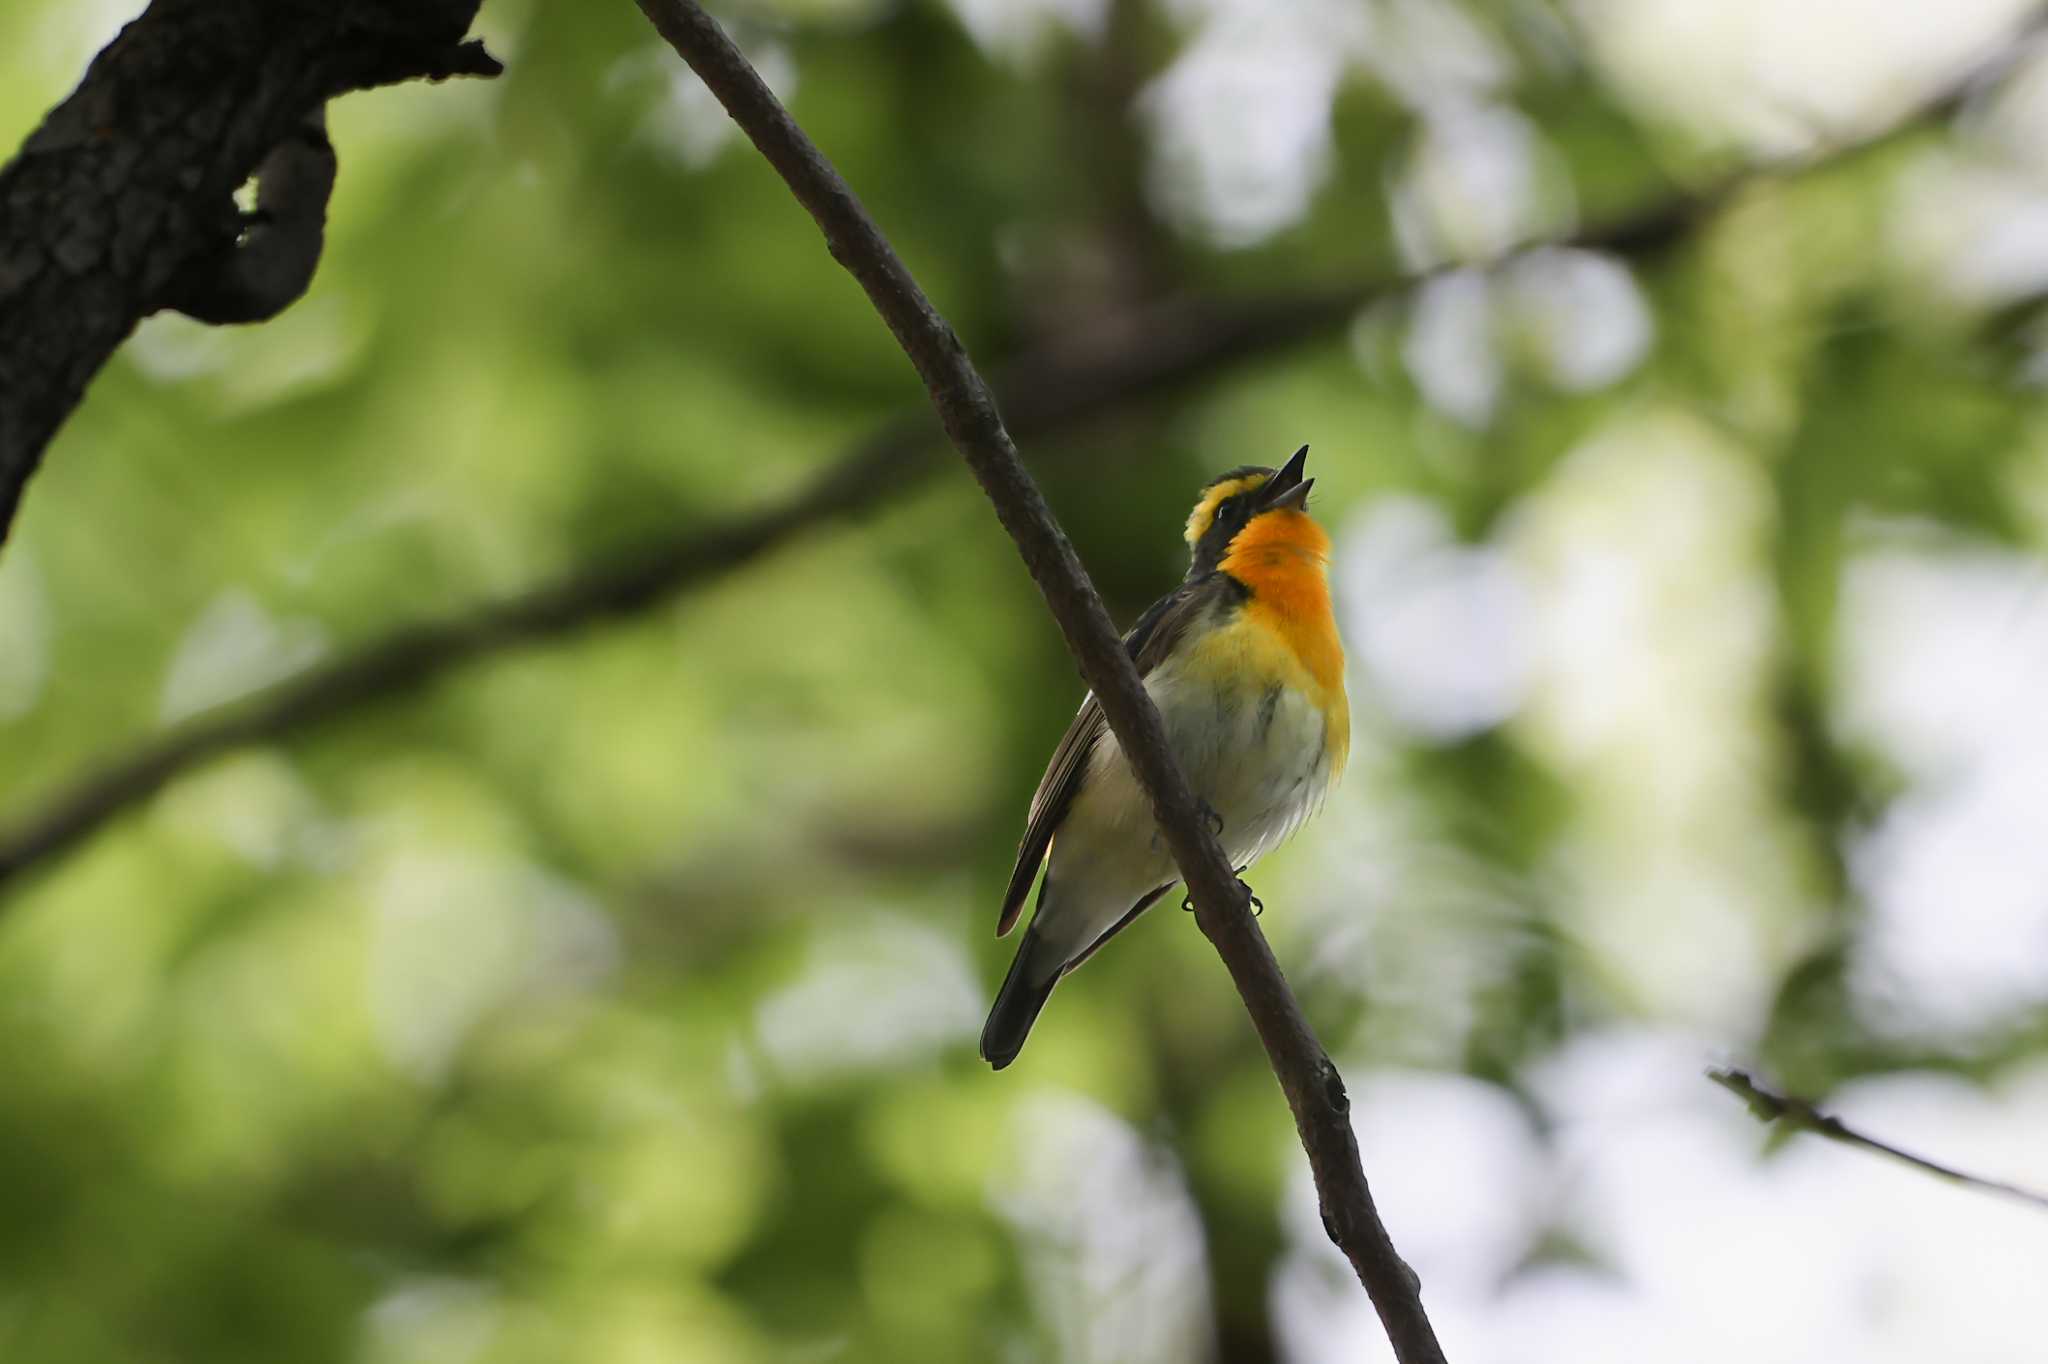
615 999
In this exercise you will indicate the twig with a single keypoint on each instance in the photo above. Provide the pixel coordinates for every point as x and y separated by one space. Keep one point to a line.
1117 359
1795 1112
967 410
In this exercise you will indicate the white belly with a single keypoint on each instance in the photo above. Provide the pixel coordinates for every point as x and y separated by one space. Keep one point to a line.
1260 760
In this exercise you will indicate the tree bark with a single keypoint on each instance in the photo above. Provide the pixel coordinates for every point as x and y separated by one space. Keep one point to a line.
122 202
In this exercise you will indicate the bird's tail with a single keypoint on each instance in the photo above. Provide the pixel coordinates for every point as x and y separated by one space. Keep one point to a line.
1032 975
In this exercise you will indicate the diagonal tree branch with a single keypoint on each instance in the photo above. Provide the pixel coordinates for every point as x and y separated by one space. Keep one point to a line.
1802 1115
1117 359
121 203
967 410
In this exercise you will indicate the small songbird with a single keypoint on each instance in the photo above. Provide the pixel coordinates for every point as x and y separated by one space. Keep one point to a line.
1244 663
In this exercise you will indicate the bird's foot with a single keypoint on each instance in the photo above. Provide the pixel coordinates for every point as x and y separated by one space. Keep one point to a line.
1208 812
1187 901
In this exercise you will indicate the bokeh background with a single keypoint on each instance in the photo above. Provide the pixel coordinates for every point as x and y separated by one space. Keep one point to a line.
613 997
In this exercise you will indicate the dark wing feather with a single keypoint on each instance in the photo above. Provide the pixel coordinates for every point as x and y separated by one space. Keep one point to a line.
1049 806
1149 641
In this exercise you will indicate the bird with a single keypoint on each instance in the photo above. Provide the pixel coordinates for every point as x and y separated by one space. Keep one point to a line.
1245 665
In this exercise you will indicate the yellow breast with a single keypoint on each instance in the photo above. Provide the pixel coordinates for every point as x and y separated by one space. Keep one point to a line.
1282 557
1286 632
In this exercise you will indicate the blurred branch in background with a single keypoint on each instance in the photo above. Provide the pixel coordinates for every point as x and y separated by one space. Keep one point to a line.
121 203
1242 1236
1125 255
1801 1115
1114 363
1115 359
967 408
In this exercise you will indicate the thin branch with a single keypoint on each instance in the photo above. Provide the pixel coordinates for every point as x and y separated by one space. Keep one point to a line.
967 410
1800 1114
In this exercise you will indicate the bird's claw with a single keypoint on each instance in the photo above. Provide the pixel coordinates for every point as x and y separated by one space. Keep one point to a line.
1187 901
1215 821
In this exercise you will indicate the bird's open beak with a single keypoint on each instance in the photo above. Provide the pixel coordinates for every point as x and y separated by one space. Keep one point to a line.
1287 488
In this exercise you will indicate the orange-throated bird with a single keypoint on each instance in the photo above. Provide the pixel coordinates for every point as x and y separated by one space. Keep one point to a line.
1244 663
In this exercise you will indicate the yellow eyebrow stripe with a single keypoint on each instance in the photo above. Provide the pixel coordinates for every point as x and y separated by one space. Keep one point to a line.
1204 514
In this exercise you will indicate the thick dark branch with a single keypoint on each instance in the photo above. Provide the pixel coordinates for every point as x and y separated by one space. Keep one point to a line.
122 202
967 410
1801 1114
259 275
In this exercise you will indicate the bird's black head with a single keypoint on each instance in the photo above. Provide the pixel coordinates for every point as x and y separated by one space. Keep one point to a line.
1231 501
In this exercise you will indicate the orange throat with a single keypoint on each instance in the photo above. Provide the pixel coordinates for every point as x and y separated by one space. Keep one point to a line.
1283 558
